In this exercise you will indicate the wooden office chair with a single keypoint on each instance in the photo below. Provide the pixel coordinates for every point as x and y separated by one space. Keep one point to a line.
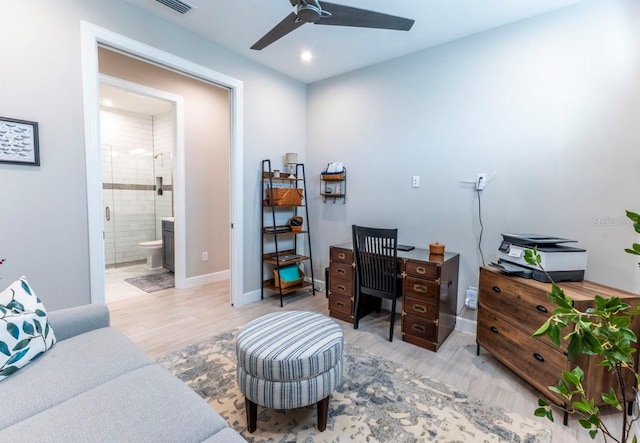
376 254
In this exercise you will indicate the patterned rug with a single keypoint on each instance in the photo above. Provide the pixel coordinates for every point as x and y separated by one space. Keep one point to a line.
153 282
378 401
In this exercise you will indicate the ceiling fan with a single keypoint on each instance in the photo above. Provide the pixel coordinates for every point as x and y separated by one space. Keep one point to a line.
311 11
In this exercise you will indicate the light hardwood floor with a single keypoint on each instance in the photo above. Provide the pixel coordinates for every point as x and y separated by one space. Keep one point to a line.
168 320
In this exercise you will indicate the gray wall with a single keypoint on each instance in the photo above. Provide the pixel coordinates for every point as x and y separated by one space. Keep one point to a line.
43 223
550 105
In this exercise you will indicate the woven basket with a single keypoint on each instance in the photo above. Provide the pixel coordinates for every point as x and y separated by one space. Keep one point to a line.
287 284
332 176
284 196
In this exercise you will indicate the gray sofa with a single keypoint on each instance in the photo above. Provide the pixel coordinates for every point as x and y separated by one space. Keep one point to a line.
95 385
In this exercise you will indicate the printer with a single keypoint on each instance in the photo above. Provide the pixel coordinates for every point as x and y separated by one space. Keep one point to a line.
562 263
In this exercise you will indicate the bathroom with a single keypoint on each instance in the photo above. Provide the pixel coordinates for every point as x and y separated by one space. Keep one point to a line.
137 137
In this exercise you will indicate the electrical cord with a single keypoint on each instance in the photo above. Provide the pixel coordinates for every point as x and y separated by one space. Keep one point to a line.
481 228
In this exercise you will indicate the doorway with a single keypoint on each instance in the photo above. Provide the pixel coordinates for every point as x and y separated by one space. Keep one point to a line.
138 126
92 38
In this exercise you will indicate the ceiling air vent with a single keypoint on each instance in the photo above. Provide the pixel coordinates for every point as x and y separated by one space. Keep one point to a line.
177 5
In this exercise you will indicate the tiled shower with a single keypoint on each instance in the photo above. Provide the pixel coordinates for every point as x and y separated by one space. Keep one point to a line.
137 181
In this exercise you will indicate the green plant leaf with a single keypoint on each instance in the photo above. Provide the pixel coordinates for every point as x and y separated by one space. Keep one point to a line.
583 406
611 398
591 342
13 330
571 378
575 347
554 334
543 329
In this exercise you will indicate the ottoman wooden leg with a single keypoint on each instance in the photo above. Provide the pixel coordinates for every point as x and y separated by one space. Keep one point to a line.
323 413
252 414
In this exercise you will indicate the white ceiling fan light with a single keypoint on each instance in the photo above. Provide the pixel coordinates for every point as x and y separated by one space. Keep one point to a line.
306 56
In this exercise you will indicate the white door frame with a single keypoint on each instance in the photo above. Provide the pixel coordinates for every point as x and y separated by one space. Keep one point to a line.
91 37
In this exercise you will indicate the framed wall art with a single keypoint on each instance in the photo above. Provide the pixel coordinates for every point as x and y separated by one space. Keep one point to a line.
19 142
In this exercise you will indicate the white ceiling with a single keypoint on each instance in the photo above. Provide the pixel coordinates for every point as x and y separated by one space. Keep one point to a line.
238 24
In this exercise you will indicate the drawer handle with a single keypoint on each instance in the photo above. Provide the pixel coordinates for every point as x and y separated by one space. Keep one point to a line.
341 287
496 289
542 309
340 304
494 330
419 328
421 270
341 255
420 288
419 308
341 271
538 357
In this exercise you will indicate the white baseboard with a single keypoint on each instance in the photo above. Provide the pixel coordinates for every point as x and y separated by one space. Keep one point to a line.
466 325
191 282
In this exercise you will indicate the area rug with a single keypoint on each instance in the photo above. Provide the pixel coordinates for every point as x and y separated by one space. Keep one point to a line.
377 401
153 282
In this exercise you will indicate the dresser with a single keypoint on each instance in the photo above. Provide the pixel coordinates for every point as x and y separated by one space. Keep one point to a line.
429 293
511 309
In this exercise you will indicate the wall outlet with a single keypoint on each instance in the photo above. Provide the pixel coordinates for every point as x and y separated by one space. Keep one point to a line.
415 181
205 256
481 181
471 301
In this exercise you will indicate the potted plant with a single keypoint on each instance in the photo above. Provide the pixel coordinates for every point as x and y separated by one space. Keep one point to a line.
602 330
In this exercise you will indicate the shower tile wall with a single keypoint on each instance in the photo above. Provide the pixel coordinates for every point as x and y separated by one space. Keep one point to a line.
129 180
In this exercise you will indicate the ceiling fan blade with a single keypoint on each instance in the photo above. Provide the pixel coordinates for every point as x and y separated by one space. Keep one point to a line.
280 30
362 18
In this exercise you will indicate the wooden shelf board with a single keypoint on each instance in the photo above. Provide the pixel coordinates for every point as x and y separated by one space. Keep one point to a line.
268 284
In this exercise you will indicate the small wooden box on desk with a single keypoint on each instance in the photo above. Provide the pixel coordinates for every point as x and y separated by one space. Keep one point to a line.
429 293
511 309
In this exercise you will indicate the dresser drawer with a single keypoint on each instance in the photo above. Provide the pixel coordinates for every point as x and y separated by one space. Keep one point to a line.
422 269
421 288
343 288
419 327
341 270
419 307
527 307
341 255
538 363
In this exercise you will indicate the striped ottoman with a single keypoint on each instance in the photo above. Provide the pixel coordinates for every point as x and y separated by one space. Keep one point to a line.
289 360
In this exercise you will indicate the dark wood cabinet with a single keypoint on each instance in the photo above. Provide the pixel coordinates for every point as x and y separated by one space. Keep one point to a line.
168 253
429 287
511 309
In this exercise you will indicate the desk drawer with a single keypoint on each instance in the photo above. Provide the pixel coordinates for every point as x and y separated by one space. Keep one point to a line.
419 327
420 308
422 269
340 287
341 304
341 270
421 288
341 255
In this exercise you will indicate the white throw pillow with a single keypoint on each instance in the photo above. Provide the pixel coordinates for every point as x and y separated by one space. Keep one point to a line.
25 332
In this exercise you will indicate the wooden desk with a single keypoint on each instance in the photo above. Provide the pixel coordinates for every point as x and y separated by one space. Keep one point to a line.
429 289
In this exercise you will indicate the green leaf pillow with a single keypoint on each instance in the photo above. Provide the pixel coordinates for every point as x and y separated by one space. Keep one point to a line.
25 332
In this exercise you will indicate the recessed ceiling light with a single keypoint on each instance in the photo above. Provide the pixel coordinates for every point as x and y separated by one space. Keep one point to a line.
108 103
306 56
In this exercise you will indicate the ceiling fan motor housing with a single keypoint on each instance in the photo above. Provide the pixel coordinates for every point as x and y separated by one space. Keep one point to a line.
308 12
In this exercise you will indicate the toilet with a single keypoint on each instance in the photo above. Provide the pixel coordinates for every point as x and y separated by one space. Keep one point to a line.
153 251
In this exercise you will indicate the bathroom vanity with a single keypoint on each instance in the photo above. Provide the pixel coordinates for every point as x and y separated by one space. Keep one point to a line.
167 243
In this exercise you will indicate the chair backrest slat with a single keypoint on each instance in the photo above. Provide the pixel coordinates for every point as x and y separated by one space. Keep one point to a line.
376 254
